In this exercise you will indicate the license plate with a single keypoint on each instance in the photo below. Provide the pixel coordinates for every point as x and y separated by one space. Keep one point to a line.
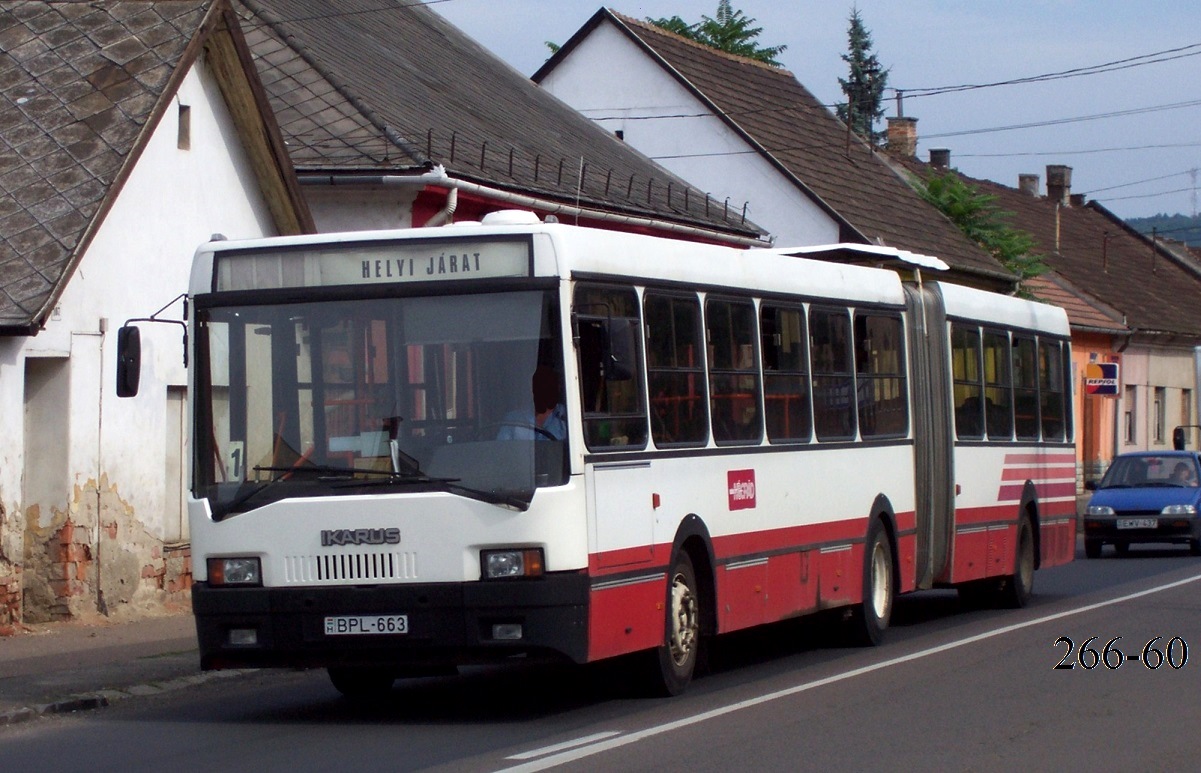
1138 523
366 625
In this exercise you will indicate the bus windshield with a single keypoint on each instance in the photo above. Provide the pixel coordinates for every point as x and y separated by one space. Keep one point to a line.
337 397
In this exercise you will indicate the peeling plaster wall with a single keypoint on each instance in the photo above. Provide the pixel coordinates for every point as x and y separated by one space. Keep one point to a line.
94 540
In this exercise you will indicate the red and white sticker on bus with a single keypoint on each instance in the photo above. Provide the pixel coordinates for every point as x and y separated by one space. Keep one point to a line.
741 488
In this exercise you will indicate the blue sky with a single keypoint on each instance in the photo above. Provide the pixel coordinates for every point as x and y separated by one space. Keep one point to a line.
1137 164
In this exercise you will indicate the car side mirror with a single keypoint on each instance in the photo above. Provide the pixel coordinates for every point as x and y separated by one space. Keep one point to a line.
129 360
1090 485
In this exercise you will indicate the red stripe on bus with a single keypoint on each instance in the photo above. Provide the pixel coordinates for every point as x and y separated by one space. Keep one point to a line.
1022 473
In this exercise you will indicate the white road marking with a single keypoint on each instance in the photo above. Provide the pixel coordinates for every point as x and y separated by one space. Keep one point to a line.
584 747
562 746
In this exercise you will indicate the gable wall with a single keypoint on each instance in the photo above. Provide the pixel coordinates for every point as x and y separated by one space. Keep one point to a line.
609 79
91 536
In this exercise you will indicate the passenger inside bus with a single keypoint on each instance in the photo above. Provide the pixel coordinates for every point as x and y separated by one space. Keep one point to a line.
546 418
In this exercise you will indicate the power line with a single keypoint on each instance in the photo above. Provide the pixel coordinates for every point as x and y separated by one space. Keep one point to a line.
1059 153
1077 119
1096 69
1138 182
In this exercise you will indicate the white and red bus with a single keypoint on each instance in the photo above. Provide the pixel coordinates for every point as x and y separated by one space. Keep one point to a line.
737 437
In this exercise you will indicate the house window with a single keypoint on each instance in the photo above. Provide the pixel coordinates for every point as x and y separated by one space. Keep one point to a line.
1159 414
1186 407
184 138
1128 406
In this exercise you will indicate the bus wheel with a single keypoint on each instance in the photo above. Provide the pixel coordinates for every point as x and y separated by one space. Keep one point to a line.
1092 548
1017 588
362 683
678 655
869 620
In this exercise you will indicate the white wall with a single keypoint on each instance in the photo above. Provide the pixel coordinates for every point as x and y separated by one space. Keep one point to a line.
139 261
609 79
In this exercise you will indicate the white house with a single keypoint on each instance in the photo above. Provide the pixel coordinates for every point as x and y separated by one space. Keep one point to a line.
747 131
136 130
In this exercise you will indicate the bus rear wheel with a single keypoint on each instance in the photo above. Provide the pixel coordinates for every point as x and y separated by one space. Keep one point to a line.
1017 588
869 620
678 654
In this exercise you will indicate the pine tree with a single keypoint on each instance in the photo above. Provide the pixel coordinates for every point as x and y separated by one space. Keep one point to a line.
865 83
729 31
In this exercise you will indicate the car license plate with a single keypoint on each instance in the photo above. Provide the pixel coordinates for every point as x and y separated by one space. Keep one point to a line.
1138 523
366 625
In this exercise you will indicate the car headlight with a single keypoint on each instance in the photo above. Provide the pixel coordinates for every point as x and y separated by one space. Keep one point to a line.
511 562
1099 510
1179 510
235 571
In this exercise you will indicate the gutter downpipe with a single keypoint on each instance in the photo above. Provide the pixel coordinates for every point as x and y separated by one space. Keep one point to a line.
438 177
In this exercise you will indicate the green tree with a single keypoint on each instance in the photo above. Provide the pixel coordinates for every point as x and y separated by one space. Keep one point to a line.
979 217
730 31
864 84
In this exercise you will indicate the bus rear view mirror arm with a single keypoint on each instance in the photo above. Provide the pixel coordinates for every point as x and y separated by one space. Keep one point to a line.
129 347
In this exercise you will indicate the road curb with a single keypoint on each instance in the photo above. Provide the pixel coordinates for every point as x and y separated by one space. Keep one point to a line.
103 698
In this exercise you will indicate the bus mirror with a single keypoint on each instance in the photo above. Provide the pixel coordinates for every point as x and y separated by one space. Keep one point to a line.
619 349
1178 438
129 360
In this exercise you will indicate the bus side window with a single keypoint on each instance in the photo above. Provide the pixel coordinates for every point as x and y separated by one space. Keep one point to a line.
833 378
968 379
675 369
733 371
785 374
1051 389
612 397
880 376
1025 388
998 390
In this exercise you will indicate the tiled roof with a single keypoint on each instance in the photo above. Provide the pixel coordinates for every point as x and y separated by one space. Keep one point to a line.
78 83
361 85
1155 292
1084 312
794 131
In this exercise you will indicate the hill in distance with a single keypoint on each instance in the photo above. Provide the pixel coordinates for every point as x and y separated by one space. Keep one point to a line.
1181 228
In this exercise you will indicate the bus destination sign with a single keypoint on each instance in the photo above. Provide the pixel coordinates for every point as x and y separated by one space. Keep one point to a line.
395 262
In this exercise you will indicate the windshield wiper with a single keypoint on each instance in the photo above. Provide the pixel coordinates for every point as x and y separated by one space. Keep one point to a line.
447 484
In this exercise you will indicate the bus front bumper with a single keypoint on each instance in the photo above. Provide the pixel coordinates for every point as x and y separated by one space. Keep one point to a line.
444 624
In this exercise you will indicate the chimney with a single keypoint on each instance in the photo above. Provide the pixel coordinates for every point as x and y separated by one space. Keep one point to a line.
1059 183
940 158
1077 199
902 136
1028 184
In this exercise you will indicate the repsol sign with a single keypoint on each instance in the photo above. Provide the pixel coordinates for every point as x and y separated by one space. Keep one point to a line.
360 537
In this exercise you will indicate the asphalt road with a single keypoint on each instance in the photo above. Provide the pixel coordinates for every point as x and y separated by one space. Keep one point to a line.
950 689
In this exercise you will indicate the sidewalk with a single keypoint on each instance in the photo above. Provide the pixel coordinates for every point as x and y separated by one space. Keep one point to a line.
73 666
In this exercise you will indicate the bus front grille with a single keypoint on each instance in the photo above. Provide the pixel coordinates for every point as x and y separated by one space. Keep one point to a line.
350 567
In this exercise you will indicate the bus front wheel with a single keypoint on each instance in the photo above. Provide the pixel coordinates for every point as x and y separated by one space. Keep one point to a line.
677 656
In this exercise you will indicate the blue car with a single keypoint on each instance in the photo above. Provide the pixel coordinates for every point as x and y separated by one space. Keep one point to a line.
1145 497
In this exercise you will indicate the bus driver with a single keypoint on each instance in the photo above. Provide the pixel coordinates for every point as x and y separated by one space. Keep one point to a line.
548 418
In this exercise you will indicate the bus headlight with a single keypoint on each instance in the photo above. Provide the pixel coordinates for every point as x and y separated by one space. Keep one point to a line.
235 571
1179 510
512 562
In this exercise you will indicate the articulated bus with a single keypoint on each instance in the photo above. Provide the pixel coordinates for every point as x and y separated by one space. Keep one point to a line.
739 437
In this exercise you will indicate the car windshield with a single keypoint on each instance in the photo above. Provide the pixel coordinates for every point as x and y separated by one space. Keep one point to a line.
1149 470
326 398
